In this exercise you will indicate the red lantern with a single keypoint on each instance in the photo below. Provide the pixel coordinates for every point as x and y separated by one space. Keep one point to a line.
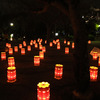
20 46
58 71
24 43
54 41
58 46
93 73
66 50
11 61
41 54
36 45
68 42
34 41
73 45
89 42
40 47
95 55
10 51
28 48
51 44
99 61
43 91
44 49
15 48
9 45
3 55
36 61
11 74
22 51
64 41
45 41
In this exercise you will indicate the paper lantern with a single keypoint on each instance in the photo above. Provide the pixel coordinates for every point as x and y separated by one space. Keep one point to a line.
95 55
58 71
64 41
54 41
45 41
24 43
73 45
16 48
11 61
40 47
9 45
68 43
34 41
28 48
43 91
36 45
20 46
44 49
58 46
3 55
66 50
99 61
10 51
57 40
6 44
93 73
11 74
51 44
41 54
22 51
89 42
36 61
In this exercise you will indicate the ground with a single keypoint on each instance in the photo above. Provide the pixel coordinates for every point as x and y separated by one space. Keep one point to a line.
28 75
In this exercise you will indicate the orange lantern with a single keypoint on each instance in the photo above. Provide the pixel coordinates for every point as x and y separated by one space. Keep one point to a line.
54 41
68 42
66 50
64 41
99 61
58 71
10 51
9 45
24 43
43 91
6 44
36 61
58 46
44 49
41 54
45 41
11 61
11 74
28 48
95 55
89 42
40 47
73 45
57 40
22 51
31 42
36 45
15 48
93 73
51 44
20 46
3 55
34 41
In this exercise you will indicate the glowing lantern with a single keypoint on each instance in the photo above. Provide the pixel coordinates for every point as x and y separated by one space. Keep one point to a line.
99 61
64 41
40 47
39 43
68 42
15 48
95 55
58 71
73 45
44 49
89 42
34 41
58 46
31 42
24 43
6 44
51 44
9 45
36 61
41 54
43 91
57 40
22 51
11 74
36 45
28 48
93 73
10 51
54 41
45 41
11 61
66 50
20 46
3 55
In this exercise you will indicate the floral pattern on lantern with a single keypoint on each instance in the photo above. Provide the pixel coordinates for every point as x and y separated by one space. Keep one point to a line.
43 91
58 71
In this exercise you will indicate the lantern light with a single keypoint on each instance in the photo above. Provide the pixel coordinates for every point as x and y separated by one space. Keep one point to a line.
93 73
41 54
16 48
3 55
73 45
68 43
58 46
40 46
51 44
11 61
64 41
7 44
11 74
44 49
58 71
95 55
36 45
22 51
89 41
10 51
99 61
43 91
45 41
66 50
20 46
24 43
28 48
36 61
